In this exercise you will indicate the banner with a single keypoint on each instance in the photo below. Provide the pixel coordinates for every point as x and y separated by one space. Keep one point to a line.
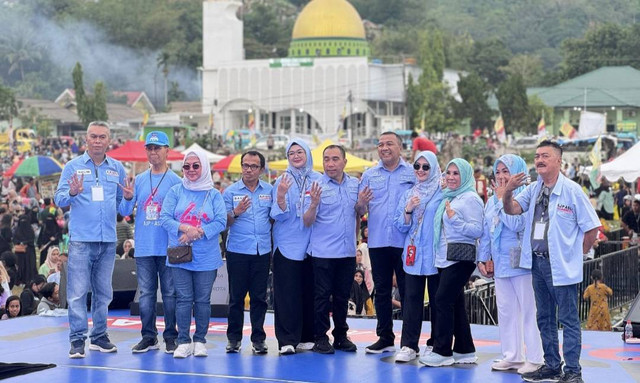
592 124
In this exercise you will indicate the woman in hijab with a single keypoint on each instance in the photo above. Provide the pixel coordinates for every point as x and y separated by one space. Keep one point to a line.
292 269
360 295
514 292
50 264
414 216
193 213
457 224
50 235
24 235
6 236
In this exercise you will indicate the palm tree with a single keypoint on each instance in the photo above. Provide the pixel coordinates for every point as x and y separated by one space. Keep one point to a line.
20 48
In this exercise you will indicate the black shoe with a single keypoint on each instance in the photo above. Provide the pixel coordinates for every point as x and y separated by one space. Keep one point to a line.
170 346
145 345
259 347
323 346
102 344
543 374
233 346
77 349
345 345
572 377
380 346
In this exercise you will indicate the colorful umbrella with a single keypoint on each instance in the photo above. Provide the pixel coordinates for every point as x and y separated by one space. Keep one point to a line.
230 163
133 151
12 169
38 166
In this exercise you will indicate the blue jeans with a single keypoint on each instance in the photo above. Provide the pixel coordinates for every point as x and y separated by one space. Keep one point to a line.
148 269
564 299
90 268
193 291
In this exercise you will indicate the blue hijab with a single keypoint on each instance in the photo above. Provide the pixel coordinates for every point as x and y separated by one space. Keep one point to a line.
516 165
300 174
431 186
467 183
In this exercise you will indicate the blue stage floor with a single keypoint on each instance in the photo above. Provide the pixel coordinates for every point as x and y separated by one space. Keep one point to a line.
605 358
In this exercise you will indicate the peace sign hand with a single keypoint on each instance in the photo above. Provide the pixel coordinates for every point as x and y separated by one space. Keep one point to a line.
76 185
128 188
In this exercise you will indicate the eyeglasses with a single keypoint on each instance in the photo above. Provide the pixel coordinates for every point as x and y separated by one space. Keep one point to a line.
425 167
195 166
153 148
253 167
298 152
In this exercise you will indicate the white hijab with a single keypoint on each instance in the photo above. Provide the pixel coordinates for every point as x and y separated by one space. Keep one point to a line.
204 182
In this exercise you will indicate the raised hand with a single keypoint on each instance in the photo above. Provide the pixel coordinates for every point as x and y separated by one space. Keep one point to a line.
515 182
76 185
315 193
128 188
243 206
449 210
412 203
498 188
365 196
284 185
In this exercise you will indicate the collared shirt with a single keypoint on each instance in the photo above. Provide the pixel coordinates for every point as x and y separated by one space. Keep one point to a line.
333 234
541 217
464 227
92 221
250 232
511 238
570 216
203 209
388 187
290 235
151 238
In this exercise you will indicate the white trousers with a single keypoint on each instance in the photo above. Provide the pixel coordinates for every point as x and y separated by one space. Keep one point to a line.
517 320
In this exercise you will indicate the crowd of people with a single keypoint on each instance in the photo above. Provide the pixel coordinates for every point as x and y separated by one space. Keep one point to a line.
427 227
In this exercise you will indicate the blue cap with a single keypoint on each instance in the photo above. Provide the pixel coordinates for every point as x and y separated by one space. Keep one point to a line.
157 138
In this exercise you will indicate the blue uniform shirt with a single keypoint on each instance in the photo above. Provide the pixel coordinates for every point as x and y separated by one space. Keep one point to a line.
151 238
92 221
250 233
388 187
186 206
333 234
464 227
570 216
511 237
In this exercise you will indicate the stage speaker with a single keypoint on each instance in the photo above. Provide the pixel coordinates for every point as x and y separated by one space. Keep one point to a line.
219 296
124 282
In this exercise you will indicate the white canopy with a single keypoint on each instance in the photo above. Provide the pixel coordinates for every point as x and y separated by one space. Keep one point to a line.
213 158
626 166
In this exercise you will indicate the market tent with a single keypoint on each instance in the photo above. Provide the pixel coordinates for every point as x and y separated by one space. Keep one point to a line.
626 166
133 151
229 164
213 157
354 164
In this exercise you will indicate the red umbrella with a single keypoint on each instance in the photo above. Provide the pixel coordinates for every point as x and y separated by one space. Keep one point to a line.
223 164
13 168
134 151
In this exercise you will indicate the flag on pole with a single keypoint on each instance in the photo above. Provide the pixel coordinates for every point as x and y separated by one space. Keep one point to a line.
594 156
542 128
498 127
252 122
211 119
568 130
145 119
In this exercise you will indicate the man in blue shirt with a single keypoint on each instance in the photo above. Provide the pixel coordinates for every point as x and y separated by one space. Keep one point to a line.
89 184
333 248
248 204
146 193
381 187
560 226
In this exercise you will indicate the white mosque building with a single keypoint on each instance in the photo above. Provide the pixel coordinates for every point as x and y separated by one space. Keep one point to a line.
327 83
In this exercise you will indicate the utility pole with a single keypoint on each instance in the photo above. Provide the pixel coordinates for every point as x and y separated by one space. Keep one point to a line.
350 119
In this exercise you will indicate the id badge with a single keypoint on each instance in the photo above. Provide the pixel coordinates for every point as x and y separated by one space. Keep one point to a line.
411 255
514 257
538 230
152 212
97 193
298 209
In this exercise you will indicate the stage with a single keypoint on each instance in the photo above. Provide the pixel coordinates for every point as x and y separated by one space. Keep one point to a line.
605 358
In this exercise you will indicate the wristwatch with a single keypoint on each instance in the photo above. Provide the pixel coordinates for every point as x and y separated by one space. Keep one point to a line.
408 212
233 213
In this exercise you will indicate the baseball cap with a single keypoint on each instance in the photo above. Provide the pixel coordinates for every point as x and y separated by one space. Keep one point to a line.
157 138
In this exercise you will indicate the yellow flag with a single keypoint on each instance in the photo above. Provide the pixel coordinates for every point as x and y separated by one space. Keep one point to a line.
542 128
568 130
594 156
498 127
145 119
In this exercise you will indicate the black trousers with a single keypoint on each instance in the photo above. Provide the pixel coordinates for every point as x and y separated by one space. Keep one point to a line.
450 311
384 261
247 273
413 308
333 279
293 300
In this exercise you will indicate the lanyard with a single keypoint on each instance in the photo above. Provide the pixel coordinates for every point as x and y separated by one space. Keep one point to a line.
154 191
300 187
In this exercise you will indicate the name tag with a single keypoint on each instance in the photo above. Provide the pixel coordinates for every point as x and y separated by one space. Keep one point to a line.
83 172
112 173
152 212
238 198
97 193
264 197
538 230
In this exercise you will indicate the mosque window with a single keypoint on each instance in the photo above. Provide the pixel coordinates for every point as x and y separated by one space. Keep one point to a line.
349 51
307 52
357 52
318 52
328 51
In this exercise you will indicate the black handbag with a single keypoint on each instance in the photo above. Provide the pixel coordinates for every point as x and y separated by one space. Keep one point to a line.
461 252
179 254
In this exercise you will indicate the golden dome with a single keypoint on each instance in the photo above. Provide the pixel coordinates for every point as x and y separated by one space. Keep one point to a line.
328 18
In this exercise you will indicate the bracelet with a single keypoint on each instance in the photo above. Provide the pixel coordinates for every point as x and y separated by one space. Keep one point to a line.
233 213
408 212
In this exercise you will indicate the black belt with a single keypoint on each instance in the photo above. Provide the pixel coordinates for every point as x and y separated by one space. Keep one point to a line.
542 254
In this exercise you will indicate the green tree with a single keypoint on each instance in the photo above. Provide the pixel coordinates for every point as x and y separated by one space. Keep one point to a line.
487 58
266 33
175 94
100 102
82 106
9 106
513 104
20 49
529 67
33 119
474 92
537 110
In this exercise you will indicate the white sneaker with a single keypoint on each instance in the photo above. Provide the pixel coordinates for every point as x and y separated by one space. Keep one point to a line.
528 367
199 349
305 346
427 350
287 350
183 351
467 358
406 354
504 365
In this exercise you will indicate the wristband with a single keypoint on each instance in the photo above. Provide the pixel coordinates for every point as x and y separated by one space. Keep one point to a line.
408 212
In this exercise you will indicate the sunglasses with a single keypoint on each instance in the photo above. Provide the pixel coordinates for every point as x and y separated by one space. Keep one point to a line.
425 167
196 166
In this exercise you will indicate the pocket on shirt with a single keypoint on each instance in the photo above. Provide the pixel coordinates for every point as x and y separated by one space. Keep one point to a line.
329 197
